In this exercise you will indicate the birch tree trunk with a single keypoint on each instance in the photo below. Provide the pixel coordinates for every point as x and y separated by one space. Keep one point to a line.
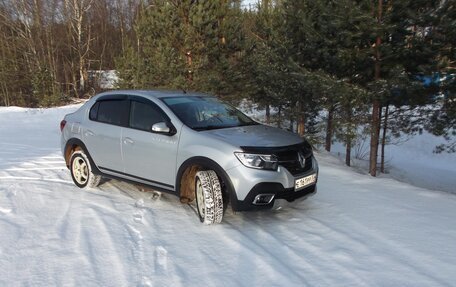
81 37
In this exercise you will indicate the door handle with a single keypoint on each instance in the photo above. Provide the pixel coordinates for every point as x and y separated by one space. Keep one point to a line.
128 141
89 133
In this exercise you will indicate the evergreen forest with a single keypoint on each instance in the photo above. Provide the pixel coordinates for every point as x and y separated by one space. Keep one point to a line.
325 69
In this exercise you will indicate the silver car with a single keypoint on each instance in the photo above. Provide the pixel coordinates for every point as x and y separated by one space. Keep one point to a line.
188 144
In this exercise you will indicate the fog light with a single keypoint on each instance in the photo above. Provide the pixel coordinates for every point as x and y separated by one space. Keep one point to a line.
263 199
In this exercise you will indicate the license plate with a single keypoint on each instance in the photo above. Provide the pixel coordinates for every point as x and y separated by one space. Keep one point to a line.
300 183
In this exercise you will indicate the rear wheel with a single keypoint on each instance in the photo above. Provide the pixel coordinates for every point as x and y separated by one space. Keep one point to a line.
81 171
209 200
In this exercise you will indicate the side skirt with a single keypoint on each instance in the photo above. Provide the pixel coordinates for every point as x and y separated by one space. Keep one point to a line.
108 173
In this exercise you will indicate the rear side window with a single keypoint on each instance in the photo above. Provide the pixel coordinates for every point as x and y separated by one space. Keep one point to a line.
94 111
143 116
113 112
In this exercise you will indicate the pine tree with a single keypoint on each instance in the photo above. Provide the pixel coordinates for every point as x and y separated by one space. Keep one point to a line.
264 72
442 121
326 50
189 45
403 49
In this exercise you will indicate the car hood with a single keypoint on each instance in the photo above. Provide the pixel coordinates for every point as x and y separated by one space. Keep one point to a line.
255 136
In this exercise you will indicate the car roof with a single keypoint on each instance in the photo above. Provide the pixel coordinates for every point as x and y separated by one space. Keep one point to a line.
158 94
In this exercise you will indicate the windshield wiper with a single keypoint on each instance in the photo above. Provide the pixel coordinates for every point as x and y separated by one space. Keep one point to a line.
209 127
249 124
215 127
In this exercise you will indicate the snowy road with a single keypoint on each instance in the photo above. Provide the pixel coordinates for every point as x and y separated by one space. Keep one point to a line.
357 230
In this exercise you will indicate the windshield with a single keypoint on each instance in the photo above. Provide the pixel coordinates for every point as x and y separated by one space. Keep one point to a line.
205 113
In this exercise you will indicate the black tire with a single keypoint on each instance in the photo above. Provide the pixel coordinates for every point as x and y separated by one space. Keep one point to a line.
209 199
81 171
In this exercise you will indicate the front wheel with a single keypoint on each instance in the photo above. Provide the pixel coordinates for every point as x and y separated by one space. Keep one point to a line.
81 171
209 200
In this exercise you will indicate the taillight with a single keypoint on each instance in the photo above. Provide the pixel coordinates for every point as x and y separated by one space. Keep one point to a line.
62 125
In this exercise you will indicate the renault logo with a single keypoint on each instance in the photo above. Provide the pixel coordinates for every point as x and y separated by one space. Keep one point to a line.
301 159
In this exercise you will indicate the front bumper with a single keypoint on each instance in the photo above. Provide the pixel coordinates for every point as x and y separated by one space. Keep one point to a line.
249 183
277 189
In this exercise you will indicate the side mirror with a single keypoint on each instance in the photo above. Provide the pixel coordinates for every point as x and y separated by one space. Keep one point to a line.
162 128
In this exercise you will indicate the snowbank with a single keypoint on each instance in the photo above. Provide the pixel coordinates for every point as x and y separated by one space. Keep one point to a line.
413 161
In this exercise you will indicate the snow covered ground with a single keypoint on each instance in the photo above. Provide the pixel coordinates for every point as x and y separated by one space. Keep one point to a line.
356 231
411 160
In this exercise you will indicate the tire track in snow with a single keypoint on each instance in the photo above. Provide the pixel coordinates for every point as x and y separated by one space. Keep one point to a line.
140 222
40 175
5 210
32 157
130 236
16 146
310 249
162 264
406 255
303 249
160 252
137 246
33 168
277 266
32 163
17 178
70 223
100 250
134 236
79 233
8 206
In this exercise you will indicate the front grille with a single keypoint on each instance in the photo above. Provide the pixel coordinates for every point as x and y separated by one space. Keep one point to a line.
290 161
288 156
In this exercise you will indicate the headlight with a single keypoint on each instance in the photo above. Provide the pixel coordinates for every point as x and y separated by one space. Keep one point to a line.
259 161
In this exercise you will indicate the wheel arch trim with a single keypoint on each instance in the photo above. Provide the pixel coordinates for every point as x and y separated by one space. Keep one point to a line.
77 142
210 164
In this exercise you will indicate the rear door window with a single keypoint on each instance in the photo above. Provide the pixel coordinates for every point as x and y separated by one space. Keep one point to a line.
114 112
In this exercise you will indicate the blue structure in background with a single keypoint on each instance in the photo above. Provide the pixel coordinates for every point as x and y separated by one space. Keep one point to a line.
435 79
